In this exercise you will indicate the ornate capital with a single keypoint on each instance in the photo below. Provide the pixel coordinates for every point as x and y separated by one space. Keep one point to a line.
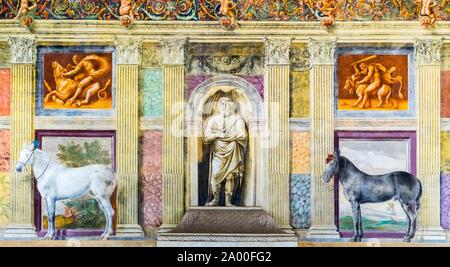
277 51
173 50
128 50
321 52
23 50
428 52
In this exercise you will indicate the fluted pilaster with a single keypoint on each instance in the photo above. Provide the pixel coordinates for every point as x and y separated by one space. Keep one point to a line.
173 146
22 132
322 82
428 68
277 84
127 136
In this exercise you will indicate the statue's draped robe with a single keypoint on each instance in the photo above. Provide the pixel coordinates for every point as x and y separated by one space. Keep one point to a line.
227 154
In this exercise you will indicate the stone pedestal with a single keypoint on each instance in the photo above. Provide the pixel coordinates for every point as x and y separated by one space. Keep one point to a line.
227 227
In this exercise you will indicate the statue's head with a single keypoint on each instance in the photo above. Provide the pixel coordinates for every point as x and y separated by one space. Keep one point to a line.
226 106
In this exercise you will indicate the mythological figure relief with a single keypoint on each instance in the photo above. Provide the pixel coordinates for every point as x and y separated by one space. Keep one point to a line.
373 82
370 78
226 134
327 11
228 10
127 11
427 13
24 10
81 82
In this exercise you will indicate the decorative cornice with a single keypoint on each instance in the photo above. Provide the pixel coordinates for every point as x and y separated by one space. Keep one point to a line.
23 50
428 51
277 50
174 50
321 52
128 50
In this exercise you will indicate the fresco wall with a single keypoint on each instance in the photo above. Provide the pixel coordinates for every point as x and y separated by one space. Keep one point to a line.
373 90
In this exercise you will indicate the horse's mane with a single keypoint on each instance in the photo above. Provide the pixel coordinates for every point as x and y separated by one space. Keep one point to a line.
344 162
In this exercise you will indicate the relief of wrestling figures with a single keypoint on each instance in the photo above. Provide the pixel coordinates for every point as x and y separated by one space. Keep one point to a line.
373 82
229 12
84 81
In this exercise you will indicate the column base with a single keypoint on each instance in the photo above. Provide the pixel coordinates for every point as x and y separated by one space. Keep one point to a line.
20 231
129 230
323 232
430 233
164 228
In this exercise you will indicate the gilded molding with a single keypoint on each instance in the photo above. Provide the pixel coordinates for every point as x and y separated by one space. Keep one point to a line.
23 50
174 50
277 50
428 51
128 50
322 51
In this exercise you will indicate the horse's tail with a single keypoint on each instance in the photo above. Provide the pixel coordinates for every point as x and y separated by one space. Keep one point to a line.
102 92
418 196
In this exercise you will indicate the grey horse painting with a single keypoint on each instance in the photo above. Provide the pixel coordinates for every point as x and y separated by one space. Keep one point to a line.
360 188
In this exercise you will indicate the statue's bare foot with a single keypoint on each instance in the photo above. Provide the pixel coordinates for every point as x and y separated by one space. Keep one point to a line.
230 205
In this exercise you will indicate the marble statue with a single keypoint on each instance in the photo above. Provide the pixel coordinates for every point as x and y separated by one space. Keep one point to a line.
226 133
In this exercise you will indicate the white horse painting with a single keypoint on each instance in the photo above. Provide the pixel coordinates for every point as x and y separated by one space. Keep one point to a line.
57 182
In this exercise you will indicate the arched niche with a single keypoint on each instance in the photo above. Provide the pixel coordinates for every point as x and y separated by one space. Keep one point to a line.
250 107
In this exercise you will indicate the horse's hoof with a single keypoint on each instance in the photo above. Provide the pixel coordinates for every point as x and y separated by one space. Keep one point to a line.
407 239
104 237
354 239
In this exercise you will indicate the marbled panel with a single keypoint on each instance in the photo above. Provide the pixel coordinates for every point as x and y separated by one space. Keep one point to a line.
151 182
300 201
300 152
445 201
445 94
4 177
151 93
5 92
300 95
445 152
